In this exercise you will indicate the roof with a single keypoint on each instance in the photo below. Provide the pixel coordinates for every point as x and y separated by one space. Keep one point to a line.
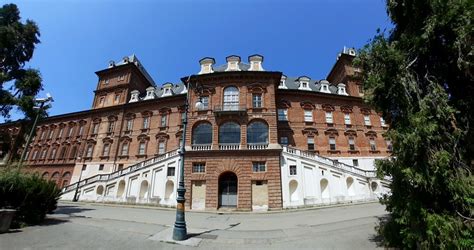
315 86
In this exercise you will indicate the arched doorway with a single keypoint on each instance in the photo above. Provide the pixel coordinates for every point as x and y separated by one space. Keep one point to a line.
228 190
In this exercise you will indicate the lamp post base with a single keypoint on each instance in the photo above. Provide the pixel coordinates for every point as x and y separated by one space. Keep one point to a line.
179 231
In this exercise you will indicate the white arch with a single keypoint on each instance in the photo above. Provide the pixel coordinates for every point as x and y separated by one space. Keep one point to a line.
121 188
169 189
350 186
324 185
100 190
143 190
293 190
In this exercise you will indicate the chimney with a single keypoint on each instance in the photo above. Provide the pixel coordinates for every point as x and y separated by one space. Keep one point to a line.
206 65
233 63
256 62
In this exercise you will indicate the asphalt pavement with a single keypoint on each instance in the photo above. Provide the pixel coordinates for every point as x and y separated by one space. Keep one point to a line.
99 226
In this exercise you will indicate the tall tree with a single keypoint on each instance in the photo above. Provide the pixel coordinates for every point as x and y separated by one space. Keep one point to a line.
18 85
420 76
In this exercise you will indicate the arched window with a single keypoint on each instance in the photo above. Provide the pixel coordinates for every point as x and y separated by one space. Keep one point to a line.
231 98
257 132
229 132
202 134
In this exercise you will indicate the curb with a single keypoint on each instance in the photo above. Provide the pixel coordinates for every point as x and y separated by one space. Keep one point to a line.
285 210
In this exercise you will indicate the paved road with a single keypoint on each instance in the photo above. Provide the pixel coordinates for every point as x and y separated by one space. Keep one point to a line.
93 226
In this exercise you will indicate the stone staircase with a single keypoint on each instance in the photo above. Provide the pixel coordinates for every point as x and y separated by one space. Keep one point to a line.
309 179
121 185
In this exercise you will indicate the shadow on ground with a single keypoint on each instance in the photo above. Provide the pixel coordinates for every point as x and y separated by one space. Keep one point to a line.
377 238
69 210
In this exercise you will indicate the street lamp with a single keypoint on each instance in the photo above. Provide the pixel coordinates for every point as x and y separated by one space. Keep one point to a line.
179 231
42 102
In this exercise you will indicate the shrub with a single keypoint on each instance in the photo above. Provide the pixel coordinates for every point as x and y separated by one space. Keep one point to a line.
32 196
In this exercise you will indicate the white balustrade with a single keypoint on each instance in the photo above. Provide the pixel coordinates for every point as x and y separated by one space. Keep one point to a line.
201 147
257 146
229 146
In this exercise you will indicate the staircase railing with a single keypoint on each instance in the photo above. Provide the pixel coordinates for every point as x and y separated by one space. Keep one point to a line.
122 172
331 162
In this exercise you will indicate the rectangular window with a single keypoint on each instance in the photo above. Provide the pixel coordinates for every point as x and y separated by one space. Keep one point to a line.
101 167
367 120
257 100
199 167
205 102
163 120
35 155
310 143
161 147
355 162
329 117
389 145
347 118
284 140
117 98
283 114
60 132
308 115
53 153
71 130
332 143
361 89
111 127
101 100
259 166
146 122
124 148
292 169
43 153
105 151
351 143
95 128
372 145
129 125
81 129
170 171
90 150
382 122
51 132
142 148
84 167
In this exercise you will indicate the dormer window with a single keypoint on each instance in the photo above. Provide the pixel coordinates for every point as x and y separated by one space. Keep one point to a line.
341 89
233 63
134 96
256 63
206 65
167 89
282 82
325 87
150 93
304 83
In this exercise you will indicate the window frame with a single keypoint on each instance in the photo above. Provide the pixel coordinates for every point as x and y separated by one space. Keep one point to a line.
259 166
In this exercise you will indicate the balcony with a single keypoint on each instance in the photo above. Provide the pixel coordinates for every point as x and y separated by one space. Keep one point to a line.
230 109
201 147
229 146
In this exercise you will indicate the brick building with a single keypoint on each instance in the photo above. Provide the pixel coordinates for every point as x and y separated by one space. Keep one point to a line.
258 139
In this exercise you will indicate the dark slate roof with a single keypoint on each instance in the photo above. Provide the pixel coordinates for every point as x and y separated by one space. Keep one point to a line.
293 83
221 68
134 59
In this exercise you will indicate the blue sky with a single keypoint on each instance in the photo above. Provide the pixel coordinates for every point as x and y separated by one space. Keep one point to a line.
169 37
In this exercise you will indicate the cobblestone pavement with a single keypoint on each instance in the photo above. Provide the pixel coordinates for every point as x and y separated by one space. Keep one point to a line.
96 226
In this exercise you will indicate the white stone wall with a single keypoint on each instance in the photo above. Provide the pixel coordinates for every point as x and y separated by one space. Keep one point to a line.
317 183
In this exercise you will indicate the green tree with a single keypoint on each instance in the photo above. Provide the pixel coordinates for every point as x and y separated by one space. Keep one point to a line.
419 75
19 86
